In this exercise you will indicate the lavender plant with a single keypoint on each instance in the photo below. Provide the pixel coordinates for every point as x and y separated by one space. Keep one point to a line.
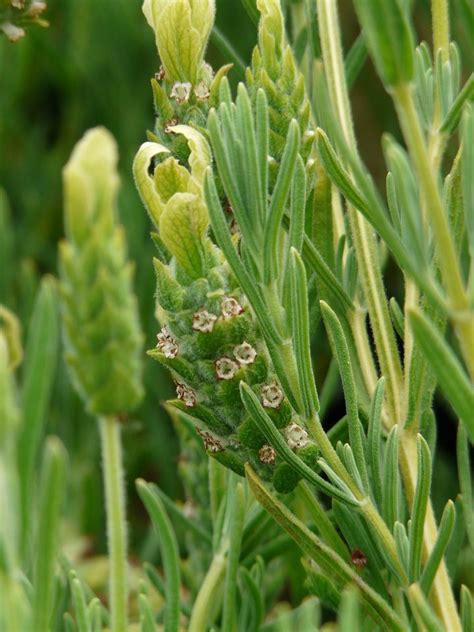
275 246
263 172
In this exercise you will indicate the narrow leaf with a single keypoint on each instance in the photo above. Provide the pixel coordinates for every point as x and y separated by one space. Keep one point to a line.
445 531
420 504
169 552
299 318
52 487
278 202
341 352
451 377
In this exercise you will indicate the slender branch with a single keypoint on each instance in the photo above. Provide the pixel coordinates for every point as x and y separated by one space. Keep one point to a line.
448 260
116 524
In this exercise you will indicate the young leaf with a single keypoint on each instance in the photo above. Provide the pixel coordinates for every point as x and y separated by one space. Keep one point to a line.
236 500
465 481
80 605
374 438
299 319
467 609
39 372
169 551
420 504
278 202
451 377
53 478
445 531
424 615
341 352
349 619
391 480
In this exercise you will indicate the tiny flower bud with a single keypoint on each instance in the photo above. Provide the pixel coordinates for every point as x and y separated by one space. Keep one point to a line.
204 321
272 395
226 368
267 455
171 123
358 558
230 307
210 443
161 74
245 353
296 436
181 92
186 395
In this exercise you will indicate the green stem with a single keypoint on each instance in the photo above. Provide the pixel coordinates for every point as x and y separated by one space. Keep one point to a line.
446 248
440 20
207 597
116 524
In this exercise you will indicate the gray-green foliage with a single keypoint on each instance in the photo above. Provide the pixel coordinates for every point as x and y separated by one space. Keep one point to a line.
272 311
378 474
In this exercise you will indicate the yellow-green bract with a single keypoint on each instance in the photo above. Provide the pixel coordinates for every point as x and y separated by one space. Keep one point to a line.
100 317
182 28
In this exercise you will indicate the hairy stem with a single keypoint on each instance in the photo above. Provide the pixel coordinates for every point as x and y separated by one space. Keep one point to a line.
440 20
116 524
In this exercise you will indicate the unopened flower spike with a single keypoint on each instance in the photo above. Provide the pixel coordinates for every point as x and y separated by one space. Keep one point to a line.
100 314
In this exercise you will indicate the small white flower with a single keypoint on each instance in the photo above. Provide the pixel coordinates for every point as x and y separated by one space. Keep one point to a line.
231 307
166 343
181 91
202 91
186 395
245 353
204 321
211 444
296 436
267 455
226 368
272 395
164 335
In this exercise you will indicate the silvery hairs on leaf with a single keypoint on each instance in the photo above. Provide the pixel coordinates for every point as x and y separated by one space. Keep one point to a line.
100 315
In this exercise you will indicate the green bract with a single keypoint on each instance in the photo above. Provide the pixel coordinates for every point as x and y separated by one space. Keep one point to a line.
102 331
182 28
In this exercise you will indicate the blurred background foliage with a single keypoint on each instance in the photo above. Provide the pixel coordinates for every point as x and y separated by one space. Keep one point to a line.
93 66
